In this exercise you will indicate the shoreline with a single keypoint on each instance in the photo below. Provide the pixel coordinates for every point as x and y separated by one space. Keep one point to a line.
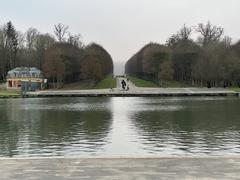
135 95
122 157
134 92
120 168
10 97
137 92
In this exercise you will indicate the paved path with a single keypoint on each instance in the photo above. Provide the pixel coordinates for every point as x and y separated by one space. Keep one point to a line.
141 92
120 168
137 91
132 87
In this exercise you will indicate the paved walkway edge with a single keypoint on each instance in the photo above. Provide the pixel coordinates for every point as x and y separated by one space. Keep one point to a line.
120 168
30 95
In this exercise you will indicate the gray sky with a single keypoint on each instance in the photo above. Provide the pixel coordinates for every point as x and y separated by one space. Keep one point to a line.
122 26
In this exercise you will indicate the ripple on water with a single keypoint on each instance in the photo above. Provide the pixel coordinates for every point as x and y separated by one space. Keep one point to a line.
120 126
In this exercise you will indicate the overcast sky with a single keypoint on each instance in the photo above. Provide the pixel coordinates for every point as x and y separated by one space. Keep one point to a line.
122 27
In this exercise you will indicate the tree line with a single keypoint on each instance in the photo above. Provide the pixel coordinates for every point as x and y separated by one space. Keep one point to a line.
61 56
210 60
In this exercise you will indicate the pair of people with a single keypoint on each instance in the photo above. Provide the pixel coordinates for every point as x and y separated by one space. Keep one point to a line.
125 86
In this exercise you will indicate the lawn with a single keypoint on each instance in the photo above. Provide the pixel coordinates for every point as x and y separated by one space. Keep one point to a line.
166 84
174 84
78 86
235 89
142 83
5 93
106 83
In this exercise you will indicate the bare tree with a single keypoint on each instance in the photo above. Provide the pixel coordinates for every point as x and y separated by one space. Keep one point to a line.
182 35
54 67
75 40
31 36
173 40
185 32
209 33
60 31
227 41
43 42
166 72
21 39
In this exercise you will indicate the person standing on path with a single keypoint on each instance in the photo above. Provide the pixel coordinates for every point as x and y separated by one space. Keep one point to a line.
123 84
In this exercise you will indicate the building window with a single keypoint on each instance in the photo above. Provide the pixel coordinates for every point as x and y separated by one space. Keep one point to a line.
9 83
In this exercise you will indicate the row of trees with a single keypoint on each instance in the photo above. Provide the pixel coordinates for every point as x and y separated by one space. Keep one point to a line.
61 56
67 63
210 60
22 49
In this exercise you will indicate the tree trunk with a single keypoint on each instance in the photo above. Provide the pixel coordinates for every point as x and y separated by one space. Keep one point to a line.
193 82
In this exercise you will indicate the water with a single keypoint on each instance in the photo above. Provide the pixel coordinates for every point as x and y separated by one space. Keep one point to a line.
120 127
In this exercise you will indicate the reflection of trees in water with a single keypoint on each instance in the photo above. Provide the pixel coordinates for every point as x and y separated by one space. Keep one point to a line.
10 128
23 124
201 124
64 125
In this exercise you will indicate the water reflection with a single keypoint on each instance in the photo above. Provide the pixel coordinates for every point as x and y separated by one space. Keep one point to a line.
200 126
124 138
50 127
119 127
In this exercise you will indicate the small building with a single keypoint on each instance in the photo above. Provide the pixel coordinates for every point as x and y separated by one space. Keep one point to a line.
25 78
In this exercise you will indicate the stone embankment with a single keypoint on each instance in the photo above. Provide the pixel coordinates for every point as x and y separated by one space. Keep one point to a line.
120 168
136 92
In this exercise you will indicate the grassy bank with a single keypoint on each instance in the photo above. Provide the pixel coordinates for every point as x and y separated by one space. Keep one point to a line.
166 84
5 93
174 84
106 83
142 83
78 86
234 89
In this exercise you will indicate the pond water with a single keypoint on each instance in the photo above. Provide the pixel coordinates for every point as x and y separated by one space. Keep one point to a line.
118 126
